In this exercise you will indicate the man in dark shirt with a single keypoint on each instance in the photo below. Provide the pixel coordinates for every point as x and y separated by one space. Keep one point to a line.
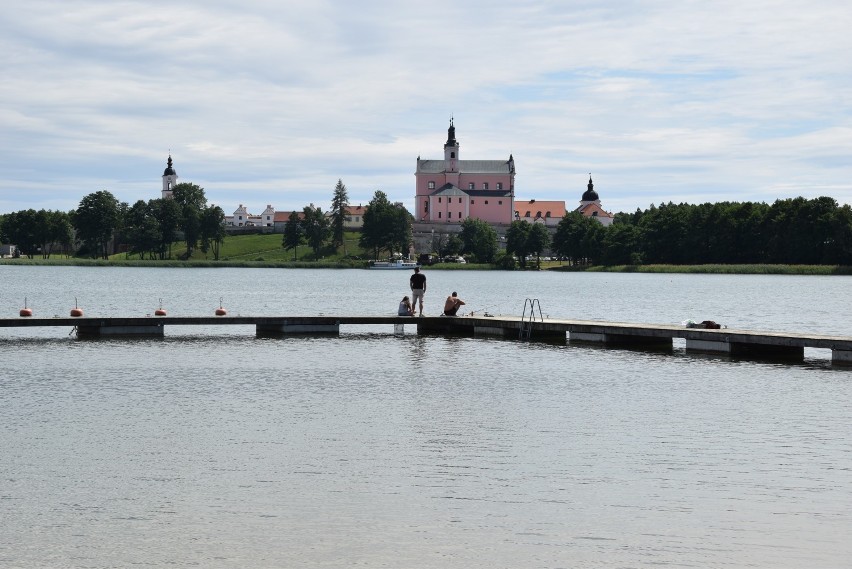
417 283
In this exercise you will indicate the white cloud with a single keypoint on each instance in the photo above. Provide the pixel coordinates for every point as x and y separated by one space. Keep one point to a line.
262 103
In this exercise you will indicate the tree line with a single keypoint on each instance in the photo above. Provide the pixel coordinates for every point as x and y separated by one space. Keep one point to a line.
794 231
148 229
790 231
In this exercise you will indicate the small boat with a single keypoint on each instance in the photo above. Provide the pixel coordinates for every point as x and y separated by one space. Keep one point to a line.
398 264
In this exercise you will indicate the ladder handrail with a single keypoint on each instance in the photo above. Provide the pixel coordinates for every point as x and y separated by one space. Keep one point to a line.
526 325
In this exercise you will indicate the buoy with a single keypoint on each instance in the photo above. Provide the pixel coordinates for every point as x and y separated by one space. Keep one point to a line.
160 311
26 311
76 312
221 311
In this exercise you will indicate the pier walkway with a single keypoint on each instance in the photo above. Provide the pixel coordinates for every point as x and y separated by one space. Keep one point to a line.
741 343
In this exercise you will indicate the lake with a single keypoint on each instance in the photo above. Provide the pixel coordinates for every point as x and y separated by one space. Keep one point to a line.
212 448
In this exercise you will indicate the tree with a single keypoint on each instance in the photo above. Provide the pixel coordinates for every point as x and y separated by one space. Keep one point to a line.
386 226
315 226
192 202
537 241
212 230
578 237
293 234
166 214
58 232
339 205
141 229
22 229
95 220
479 239
517 242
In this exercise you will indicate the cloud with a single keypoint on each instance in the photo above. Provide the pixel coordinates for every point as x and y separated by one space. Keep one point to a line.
259 103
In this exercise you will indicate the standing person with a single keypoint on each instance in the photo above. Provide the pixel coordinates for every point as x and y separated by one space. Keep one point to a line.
417 283
452 304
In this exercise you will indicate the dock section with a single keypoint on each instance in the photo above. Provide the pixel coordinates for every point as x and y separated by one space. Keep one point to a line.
738 343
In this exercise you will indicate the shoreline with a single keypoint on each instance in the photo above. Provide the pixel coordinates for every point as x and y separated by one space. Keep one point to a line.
752 269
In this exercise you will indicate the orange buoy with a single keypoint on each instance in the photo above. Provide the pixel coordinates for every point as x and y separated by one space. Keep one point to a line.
26 311
160 311
76 312
221 311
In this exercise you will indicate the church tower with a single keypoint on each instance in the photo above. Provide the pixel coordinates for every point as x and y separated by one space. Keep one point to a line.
169 179
451 150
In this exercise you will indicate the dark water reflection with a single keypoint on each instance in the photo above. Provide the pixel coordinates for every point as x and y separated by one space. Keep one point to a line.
374 450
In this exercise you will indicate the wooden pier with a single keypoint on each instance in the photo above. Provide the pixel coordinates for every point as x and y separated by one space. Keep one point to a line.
740 343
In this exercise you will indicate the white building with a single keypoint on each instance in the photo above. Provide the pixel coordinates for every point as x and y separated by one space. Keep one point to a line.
243 218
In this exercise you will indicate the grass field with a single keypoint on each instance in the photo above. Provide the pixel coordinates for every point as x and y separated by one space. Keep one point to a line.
266 251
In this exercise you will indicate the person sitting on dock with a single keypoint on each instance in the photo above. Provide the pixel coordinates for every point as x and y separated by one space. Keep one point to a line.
451 306
405 308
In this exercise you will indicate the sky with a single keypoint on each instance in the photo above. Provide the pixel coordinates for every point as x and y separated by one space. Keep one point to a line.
263 102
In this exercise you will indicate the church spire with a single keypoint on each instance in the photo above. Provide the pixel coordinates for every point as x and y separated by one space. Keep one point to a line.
451 135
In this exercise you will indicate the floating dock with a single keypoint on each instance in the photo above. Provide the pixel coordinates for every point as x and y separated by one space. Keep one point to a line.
740 343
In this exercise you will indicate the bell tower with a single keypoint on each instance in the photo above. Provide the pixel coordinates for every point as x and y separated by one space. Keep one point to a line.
169 178
451 150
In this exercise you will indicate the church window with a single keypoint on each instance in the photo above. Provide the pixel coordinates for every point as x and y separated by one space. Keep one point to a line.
470 186
486 202
431 185
499 202
426 203
499 185
527 214
459 200
449 214
594 214
484 185
439 200
452 154
472 202
439 215
547 214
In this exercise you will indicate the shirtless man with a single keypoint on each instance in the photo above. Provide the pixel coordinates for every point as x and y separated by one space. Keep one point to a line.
452 304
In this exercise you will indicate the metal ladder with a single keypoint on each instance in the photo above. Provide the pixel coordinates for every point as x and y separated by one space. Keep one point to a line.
525 331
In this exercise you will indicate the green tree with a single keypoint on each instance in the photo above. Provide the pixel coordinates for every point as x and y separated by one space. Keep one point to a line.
576 236
293 234
212 230
537 241
517 242
95 220
386 226
479 239
315 226
192 203
167 216
339 205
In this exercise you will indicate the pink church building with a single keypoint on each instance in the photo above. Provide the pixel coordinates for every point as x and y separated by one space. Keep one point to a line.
452 189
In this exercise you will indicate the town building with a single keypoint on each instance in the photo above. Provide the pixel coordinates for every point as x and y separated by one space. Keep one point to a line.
590 205
243 218
550 213
450 190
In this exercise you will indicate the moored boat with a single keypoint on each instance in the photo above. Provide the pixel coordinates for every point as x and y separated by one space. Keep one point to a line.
398 264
